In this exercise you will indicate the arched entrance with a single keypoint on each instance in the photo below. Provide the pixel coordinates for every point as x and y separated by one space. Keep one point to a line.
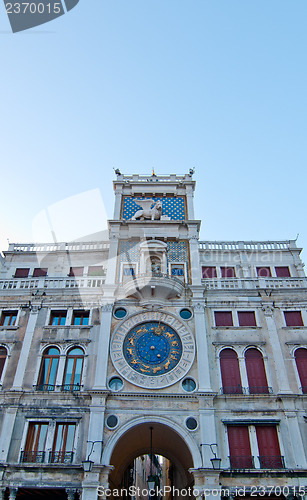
168 439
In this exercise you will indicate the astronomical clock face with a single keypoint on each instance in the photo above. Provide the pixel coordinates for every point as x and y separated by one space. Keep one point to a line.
152 353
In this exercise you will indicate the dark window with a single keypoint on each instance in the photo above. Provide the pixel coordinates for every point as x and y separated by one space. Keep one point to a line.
22 272
185 314
40 271
209 272
76 271
191 423
95 271
268 445
120 312
129 271
247 318
223 318
62 451
293 318
116 384
8 318
239 447
3 355
189 384
48 370
35 443
228 272
73 370
301 363
112 421
256 375
230 372
282 272
264 272
80 318
58 318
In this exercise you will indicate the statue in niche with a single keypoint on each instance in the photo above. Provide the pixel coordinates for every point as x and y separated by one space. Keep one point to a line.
150 210
155 266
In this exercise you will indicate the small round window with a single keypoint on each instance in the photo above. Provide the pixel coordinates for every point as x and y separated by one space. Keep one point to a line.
116 384
120 312
189 384
185 314
112 421
191 423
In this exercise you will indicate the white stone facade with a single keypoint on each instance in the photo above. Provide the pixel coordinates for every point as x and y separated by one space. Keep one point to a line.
84 304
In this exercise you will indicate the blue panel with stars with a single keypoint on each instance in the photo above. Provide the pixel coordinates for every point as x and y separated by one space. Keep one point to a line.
173 207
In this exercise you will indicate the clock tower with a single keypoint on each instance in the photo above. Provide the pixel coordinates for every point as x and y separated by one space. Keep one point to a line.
153 320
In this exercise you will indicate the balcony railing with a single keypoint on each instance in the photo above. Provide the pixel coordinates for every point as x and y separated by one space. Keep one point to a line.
50 283
253 283
247 245
63 387
63 457
238 389
37 457
272 462
242 462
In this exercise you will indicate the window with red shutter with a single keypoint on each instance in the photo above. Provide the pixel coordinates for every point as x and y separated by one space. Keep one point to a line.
40 271
223 318
230 372
247 318
228 272
264 272
239 447
301 363
255 369
3 355
22 272
209 272
76 271
95 271
282 272
293 318
268 445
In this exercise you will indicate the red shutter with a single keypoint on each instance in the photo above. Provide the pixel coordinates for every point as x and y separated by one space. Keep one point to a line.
269 451
209 272
264 272
76 271
22 272
247 318
230 372
256 372
228 272
293 318
301 363
239 447
282 272
95 271
40 271
223 318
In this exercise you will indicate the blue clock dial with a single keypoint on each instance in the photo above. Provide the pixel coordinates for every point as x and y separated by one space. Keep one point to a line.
152 348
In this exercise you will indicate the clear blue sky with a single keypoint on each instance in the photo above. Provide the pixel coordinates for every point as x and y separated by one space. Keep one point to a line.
219 85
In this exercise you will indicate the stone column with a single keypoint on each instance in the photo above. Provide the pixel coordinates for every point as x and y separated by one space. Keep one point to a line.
102 351
13 493
90 486
112 260
195 262
295 441
7 431
60 373
190 205
95 432
278 358
25 349
2 492
243 374
208 436
202 349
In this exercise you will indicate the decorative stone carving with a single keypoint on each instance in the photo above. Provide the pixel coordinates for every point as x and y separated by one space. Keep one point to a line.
268 309
107 308
148 211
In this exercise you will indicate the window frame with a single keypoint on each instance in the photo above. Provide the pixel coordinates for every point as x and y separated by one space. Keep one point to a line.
83 313
287 315
62 451
224 269
214 271
239 313
72 383
258 269
44 357
57 312
4 365
9 312
19 269
217 313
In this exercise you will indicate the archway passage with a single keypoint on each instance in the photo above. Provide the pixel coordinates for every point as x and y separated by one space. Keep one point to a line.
165 442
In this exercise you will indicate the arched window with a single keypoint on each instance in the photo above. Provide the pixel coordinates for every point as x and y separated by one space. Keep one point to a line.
230 372
73 370
301 363
48 370
3 356
257 380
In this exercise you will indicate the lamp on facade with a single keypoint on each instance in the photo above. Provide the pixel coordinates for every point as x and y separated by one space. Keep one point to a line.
88 464
216 462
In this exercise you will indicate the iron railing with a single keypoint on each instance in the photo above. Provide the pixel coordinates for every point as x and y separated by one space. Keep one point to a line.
241 462
62 457
37 457
232 389
238 389
272 462
259 390
71 387
44 387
